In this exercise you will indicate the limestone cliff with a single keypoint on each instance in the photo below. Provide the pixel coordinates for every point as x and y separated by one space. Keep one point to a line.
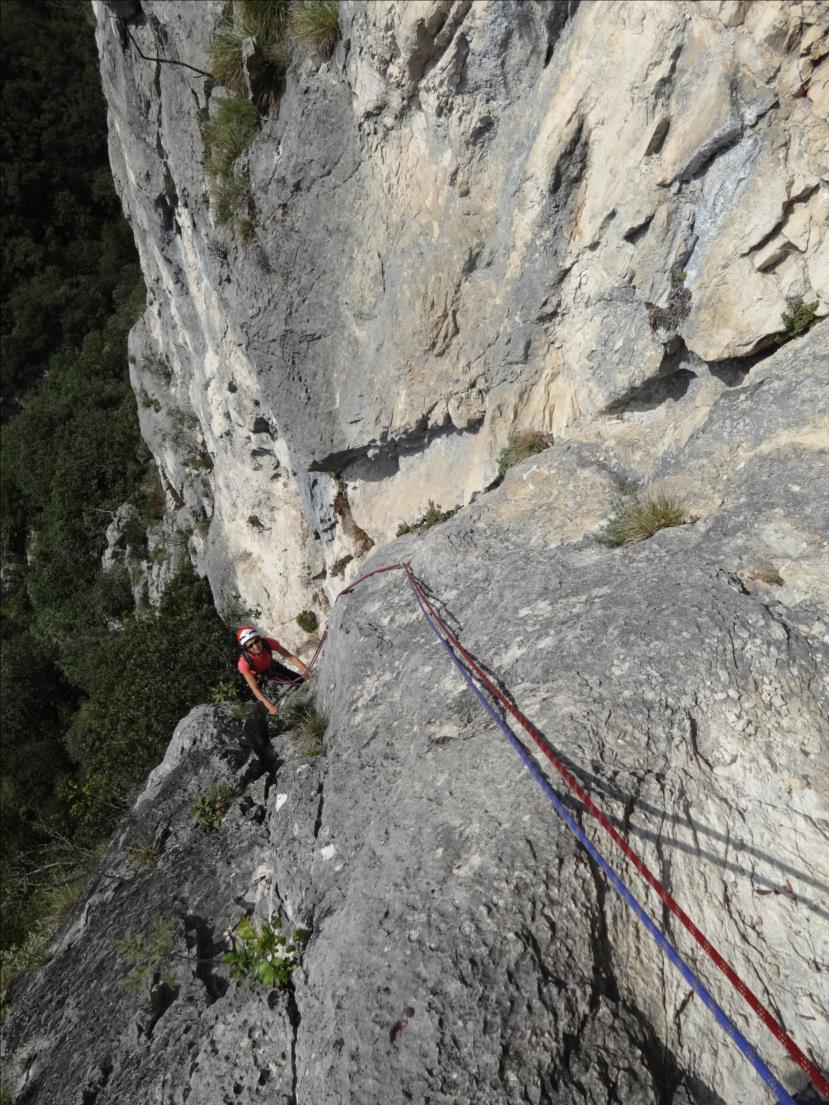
467 221
581 218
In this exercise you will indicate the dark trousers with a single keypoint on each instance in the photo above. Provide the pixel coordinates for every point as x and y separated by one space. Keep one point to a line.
280 674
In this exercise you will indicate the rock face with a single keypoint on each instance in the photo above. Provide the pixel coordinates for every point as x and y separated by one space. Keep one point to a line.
464 949
475 217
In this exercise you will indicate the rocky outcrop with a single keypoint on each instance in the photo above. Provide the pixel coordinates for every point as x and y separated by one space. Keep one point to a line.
473 218
463 947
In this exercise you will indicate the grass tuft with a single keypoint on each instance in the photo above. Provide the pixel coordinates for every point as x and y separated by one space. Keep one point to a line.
144 854
637 519
226 62
432 517
315 25
309 726
266 22
228 134
520 446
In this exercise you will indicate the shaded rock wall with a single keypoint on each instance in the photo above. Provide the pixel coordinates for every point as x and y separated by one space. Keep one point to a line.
463 947
474 217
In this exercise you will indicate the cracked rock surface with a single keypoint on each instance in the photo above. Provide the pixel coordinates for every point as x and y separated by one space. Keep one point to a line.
464 949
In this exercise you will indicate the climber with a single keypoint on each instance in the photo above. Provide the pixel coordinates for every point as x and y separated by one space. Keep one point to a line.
257 662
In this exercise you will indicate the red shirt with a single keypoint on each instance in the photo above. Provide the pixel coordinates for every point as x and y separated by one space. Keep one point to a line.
255 664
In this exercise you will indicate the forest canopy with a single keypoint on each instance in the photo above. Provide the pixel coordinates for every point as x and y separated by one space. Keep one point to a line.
80 663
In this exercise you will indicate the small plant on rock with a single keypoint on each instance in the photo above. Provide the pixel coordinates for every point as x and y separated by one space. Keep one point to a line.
264 954
315 24
308 621
799 318
520 446
228 134
265 22
147 953
339 566
226 690
432 517
209 808
144 853
302 718
637 518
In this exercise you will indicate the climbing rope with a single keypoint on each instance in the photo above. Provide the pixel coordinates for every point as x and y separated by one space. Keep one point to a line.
456 650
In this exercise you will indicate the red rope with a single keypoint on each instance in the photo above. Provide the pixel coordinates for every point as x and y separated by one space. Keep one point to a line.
777 1030
805 1064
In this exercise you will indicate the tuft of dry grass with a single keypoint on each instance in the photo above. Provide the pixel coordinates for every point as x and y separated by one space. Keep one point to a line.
637 519
520 446
315 25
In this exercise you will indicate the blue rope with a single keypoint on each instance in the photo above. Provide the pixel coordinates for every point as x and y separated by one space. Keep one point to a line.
780 1092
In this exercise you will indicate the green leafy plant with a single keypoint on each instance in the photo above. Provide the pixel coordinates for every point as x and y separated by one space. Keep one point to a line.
338 567
308 621
146 954
679 278
264 954
403 529
315 24
520 446
209 808
799 318
226 690
637 518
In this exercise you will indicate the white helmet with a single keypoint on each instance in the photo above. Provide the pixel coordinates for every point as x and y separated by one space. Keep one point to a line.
246 634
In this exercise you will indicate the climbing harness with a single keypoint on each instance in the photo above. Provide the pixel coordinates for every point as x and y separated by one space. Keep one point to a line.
467 666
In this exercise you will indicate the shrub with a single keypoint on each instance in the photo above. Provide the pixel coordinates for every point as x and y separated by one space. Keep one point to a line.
520 446
315 24
146 954
403 529
636 519
24 958
307 621
264 954
209 808
799 318
226 690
